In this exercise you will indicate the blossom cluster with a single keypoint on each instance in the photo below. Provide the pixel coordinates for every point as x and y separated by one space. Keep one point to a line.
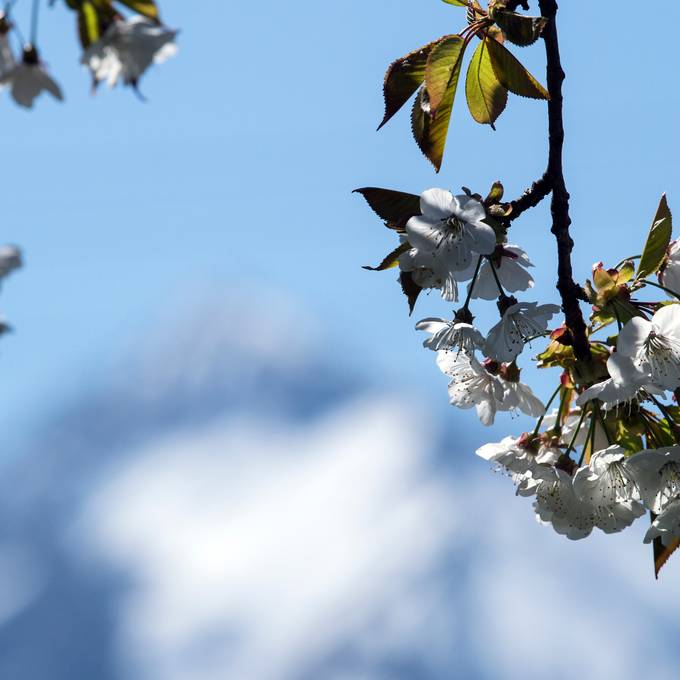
451 242
123 52
611 449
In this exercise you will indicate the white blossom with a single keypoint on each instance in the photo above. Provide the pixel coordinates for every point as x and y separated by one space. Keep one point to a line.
515 457
29 78
666 525
471 384
557 504
669 276
521 322
518 396
654 347
610 488
425 277
657 475
449 232
453 335
510 263
127 49
627 382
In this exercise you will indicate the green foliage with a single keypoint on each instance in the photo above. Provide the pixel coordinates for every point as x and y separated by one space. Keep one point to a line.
430 127
442 70
435 68
395 208
95 16
519 29
410 288
657 241
146 8
392 259
486 97
403 78
512 75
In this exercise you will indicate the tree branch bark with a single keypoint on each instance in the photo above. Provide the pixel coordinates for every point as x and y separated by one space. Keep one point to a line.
554 176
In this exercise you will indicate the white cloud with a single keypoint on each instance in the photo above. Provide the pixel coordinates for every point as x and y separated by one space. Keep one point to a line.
257 551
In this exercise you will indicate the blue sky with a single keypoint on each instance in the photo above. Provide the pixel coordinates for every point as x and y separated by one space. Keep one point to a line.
237 173
233 182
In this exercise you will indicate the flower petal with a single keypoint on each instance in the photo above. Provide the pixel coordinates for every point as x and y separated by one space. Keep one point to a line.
468 209
667 321
481 238
437 204
633 336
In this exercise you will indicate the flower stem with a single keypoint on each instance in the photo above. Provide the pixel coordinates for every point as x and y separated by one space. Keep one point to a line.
570 448
604 427
663 288
632 257
498 281
547 406
472 284
675 430
590 437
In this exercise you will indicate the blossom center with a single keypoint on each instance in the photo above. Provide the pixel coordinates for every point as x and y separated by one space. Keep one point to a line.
455 228
662 353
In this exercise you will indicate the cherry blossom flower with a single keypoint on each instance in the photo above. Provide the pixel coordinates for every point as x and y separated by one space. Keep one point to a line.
557 504
518 458
610 488
471 385
669 276
518 396
666 525
510 263
654 347
450 335
628 382
425 277
571 422
127 49
521 322
449 231
29 78
657 475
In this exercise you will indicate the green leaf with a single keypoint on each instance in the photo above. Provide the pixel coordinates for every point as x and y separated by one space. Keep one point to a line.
458 3
410 288
486 97
394 207
512 75
430 130
391 260
520 29
146 8
657 241
443 67
403 78
88 24
495 194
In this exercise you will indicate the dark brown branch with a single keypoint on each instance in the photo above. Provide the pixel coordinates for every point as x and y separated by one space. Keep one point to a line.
514 4
569 290
530 198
